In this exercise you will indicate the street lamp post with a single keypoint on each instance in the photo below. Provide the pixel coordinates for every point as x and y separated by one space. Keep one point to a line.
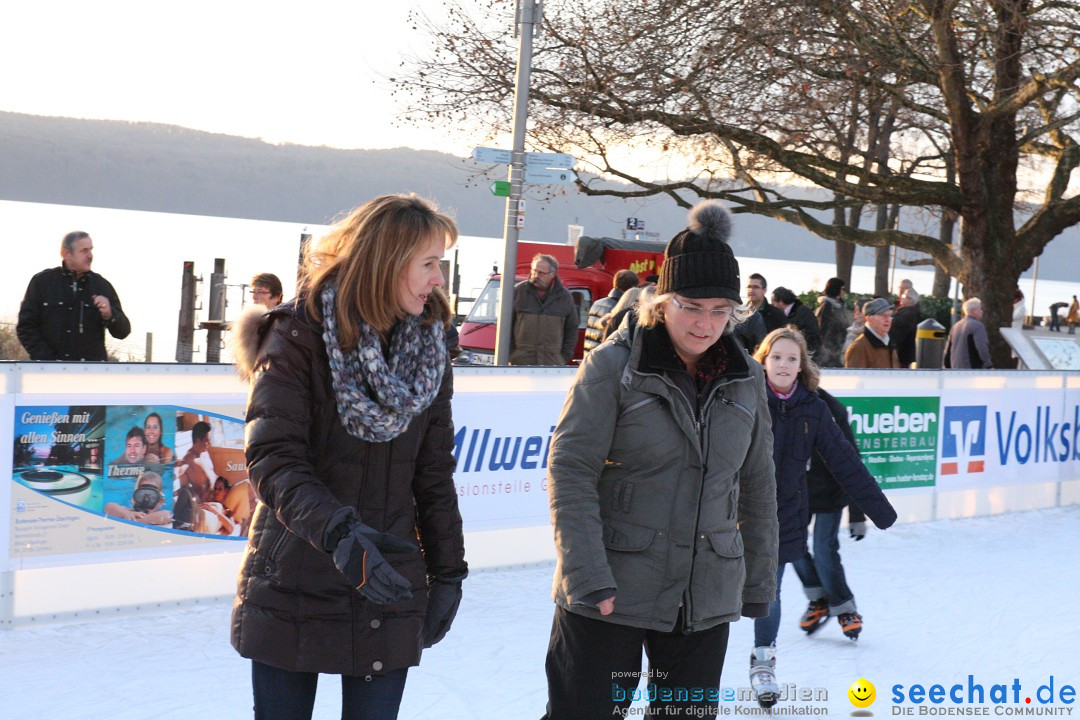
529 14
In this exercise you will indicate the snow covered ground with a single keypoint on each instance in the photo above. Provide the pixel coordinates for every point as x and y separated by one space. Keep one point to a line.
995 598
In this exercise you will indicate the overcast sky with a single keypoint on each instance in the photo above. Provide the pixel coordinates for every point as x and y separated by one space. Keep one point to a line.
308 72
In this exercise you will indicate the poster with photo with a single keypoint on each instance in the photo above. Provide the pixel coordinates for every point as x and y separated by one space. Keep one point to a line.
139 470
139 463
59 452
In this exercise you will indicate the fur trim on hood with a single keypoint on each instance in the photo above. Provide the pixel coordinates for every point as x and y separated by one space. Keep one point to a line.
245 338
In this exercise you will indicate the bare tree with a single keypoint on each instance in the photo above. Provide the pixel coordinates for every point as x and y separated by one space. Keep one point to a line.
760 94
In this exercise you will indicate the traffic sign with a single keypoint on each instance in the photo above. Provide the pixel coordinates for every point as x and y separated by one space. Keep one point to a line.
492 155
563 161
546 176
500 188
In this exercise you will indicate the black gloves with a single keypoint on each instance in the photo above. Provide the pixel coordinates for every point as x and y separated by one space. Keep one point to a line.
858 530
444 596
358 557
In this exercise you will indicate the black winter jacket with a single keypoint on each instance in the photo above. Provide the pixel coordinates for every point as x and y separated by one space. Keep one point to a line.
293 609
803 318
825 494
597 329
58 320
801 425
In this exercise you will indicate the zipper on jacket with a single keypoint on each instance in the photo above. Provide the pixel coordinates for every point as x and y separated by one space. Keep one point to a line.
275 549
718 392
640 403
733 404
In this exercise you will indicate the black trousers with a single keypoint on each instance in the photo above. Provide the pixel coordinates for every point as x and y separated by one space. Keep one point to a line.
593 667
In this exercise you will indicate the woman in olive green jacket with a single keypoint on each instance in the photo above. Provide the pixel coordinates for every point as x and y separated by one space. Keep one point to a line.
662 493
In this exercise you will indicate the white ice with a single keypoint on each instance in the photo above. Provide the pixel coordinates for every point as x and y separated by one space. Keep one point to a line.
994 597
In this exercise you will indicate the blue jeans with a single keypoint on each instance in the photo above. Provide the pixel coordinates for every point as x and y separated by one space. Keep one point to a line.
822 573
766 628
287 695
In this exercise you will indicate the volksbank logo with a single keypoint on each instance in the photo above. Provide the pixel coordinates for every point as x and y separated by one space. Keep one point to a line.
963 443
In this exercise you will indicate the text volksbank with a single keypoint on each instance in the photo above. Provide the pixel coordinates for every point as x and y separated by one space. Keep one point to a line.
1045 442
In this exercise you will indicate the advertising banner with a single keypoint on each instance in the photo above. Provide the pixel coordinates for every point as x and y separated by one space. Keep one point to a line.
501 446
1007 437
92 478
897 437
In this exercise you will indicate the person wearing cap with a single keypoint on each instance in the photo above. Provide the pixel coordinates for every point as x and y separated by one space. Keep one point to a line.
968 347
872 349
833 320
662 492
798 315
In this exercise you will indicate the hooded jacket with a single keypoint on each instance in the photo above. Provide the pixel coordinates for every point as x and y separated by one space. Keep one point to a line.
801 425
58 320
293 609
668 499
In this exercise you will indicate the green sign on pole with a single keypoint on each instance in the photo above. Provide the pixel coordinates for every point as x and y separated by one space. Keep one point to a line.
500 188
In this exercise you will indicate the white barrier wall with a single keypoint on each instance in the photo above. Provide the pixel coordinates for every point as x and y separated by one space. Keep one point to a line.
942 444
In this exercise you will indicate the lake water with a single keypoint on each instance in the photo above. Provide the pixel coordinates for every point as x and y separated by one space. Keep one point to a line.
142 255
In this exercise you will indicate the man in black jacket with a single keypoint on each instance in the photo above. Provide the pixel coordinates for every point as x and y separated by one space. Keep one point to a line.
800 316
66 309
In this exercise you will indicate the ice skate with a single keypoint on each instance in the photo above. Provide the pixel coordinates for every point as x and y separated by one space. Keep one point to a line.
851 624
816 615
763 676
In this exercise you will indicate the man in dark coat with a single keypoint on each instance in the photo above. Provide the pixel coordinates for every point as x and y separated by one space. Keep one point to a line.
546 319
755 297
800 316
968 347
66 309
905 323
833 320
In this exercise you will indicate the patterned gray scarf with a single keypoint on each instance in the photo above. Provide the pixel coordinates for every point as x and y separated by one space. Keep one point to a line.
377 400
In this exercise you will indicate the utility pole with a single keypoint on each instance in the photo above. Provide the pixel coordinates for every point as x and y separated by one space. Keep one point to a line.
528 15
185 329
216 324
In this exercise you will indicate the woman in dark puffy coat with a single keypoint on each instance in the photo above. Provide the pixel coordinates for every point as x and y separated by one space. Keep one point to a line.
355 555
801 424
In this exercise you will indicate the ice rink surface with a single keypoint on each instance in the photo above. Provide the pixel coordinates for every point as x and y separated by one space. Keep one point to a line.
995 598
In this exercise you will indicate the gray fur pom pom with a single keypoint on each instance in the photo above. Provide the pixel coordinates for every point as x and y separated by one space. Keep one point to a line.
711 220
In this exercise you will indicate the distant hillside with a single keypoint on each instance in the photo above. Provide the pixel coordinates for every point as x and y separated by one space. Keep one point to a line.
164 168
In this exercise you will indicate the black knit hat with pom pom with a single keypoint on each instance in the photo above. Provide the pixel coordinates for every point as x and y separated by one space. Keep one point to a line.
698 262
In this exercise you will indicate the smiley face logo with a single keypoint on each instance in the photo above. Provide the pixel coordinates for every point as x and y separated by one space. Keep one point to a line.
862 693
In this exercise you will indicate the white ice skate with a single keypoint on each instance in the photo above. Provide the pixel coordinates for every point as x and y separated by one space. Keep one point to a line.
763 676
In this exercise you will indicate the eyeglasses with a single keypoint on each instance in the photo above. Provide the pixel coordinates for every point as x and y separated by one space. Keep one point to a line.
694 311
541 272
259 291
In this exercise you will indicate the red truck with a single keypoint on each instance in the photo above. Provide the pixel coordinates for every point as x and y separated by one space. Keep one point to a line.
586 271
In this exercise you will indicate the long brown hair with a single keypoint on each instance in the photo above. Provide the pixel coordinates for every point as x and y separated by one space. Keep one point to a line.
365 254
809 372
